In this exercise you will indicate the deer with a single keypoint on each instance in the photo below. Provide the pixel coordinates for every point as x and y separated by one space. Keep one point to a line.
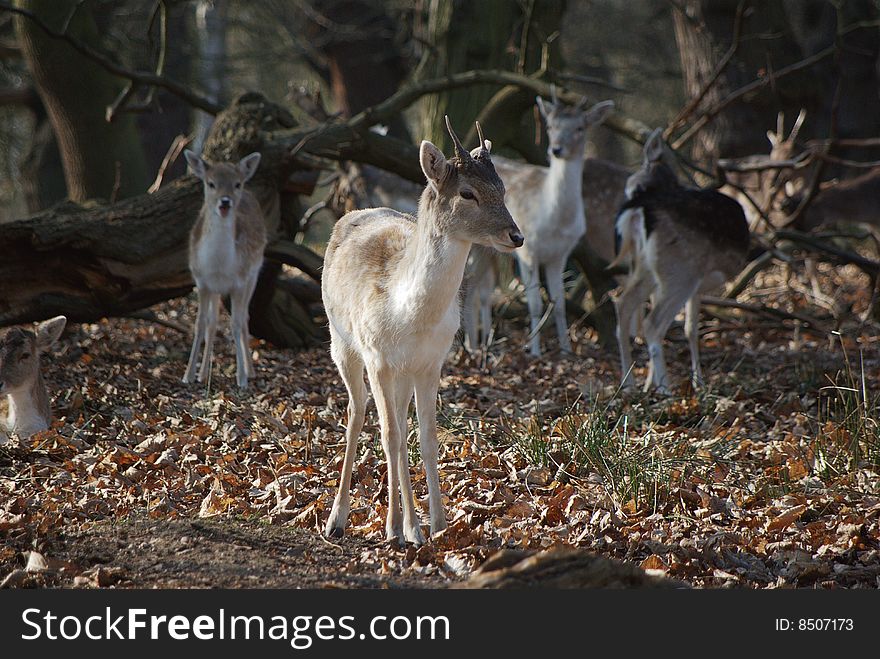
680 242
762 187
547 204
390 290
225 256
21 376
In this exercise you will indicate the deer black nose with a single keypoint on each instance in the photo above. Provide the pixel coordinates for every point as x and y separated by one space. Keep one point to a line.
557 151
225 202
516 238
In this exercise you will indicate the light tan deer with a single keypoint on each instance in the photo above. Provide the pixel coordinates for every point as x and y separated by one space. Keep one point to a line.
390 289
764 186
680 242
21 378
548 205
225 256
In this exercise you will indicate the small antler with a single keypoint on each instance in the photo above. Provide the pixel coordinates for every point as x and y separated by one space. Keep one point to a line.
797 125
460 151
480 135
553 98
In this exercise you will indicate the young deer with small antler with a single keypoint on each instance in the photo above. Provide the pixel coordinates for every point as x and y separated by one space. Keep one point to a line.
21 379
680 242
225 255
763 185
547 204
390 289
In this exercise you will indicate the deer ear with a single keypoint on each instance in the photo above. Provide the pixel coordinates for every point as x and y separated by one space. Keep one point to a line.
196 164
599 112
49 330
544 107
248 165
433 163
654 146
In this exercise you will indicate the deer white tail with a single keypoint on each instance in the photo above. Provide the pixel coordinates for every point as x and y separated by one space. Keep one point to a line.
631 232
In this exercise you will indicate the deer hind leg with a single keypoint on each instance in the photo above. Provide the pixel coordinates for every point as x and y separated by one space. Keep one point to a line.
628 306
531 278
691 331
212 313
556 291
412 529
671 296
382 385
351 368
198 338
426 409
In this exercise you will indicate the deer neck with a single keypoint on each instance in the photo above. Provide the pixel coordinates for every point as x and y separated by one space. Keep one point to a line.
29 410
562 188
432 265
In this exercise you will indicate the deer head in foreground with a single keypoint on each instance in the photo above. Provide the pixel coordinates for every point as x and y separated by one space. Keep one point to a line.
390 289
680 242
21 378
225 255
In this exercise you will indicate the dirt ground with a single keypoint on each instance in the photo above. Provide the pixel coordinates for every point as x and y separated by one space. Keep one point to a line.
767 478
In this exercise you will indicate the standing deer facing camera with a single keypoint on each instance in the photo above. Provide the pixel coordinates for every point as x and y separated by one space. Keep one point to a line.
21 379
225 255
547 203
390 289
680 242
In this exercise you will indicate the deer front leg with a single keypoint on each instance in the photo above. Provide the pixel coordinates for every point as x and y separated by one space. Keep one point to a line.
469 309
212 311
556 291
426 410
412 529
239 313
351 368
198 338
382 385
531 278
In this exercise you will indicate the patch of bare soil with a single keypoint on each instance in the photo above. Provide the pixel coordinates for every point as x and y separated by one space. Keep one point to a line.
218 553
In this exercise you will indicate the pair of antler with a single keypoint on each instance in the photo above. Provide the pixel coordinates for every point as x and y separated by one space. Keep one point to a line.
460 151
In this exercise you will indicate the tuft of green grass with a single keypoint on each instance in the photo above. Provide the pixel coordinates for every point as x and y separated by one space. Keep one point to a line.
639 472
848 435
527 437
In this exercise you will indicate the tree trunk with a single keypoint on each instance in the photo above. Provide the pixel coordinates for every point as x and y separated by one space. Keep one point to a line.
704 31
211 71
364 63
486 35
100 160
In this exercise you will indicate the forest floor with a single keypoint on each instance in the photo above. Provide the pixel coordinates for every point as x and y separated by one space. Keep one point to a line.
768 477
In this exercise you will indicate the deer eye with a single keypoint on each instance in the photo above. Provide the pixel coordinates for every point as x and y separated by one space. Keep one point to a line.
24 356
211 185
467 194
237 186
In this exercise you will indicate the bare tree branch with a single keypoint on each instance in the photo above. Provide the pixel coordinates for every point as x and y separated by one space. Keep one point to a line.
139 77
